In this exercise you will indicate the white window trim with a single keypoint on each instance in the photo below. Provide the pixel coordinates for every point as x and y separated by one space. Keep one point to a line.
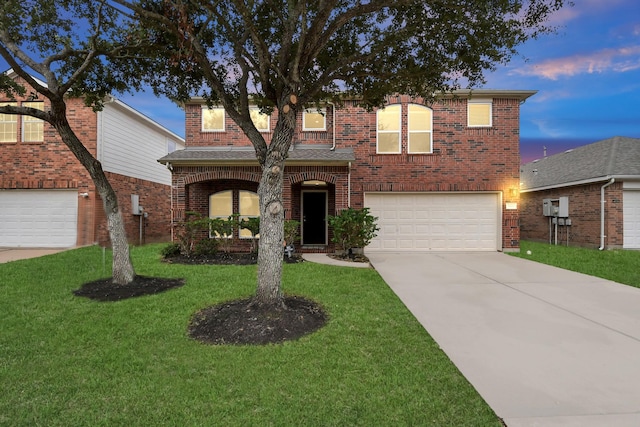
481 102
399 132
224 116
322 111
409 132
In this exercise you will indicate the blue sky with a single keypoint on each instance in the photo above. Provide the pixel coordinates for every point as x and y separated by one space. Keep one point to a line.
587 76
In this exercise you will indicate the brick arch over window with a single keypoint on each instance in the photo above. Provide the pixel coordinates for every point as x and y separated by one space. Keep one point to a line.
308 176
216 175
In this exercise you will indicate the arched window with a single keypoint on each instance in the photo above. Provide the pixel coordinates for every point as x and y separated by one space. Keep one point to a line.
248 204
221 205
420 124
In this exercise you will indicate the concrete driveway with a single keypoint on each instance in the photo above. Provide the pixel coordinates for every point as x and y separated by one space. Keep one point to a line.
14 254
543 346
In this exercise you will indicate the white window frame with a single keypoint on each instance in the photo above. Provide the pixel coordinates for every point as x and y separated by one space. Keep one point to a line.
410 132
478 102
322 112
205 108
398 132
11 121
256 111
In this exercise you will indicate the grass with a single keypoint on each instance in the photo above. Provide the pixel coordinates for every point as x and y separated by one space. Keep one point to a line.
66 360
618 265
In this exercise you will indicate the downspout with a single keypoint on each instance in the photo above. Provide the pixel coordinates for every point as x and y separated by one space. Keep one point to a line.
602 212
333 108
349 187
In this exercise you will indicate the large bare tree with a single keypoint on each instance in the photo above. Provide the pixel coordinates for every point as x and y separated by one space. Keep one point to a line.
291 54
65 43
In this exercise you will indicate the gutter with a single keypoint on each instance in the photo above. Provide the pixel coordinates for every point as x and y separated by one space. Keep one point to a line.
333 108
602 212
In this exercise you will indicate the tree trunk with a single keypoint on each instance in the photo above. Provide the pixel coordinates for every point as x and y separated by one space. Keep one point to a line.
122 267
271 249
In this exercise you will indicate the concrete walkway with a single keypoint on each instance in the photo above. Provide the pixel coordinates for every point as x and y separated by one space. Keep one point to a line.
15 254
324 259
543 346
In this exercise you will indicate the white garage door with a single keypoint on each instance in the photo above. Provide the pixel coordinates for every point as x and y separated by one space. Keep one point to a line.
435 221
38 218
631 215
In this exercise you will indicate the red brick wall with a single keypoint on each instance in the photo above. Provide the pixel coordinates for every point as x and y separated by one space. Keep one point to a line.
584 212
153 197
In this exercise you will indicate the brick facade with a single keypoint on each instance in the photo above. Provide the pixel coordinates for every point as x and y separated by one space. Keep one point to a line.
584 212
51 165
463 159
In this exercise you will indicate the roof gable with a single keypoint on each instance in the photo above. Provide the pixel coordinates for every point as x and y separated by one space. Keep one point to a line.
617 156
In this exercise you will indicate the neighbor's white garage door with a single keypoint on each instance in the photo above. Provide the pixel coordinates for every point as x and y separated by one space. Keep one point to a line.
435 221
631 215
38 218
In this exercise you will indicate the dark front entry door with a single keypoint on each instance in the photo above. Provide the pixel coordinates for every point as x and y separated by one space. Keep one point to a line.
314 218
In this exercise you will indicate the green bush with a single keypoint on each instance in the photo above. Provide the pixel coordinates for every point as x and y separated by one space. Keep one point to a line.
172 249
253 225
353 228
291 230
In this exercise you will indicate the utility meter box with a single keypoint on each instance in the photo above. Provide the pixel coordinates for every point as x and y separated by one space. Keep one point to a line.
548 207
563 207
136 209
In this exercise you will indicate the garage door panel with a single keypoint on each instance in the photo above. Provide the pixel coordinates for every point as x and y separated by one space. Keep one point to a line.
437 222
38 218
631 215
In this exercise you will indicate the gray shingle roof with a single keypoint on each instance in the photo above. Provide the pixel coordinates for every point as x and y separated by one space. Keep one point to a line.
617 156
243 155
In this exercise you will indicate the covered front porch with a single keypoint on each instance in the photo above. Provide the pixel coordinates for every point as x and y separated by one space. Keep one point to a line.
218 183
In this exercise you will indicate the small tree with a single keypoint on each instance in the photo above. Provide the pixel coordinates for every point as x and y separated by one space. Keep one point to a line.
353 228
224 230
253 225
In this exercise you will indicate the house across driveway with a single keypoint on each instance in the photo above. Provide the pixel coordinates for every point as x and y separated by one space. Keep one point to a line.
542 345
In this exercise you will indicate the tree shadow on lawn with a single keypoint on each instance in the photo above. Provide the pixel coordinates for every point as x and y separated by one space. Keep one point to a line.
231 322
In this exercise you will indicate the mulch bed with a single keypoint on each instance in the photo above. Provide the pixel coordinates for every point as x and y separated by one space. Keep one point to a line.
234 322
242 322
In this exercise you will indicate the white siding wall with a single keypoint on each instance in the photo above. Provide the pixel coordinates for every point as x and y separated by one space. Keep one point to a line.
130 144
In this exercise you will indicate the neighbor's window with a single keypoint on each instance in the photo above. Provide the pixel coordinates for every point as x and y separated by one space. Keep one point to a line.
419 122
260 120
220 206
479 114
8 124
249 207
388 125
32 128
212 119
314 119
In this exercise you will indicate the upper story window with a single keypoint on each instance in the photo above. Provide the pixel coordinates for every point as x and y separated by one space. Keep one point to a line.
420 129
32 128
8 124
479 114
260 120
212 119
388 123
314 119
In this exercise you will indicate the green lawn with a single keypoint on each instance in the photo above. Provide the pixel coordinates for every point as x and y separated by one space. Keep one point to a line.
621 266
70 361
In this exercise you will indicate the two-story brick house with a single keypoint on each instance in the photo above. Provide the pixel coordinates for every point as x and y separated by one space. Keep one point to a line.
439 176
47 198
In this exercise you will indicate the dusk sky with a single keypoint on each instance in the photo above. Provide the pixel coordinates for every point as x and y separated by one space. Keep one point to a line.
587 76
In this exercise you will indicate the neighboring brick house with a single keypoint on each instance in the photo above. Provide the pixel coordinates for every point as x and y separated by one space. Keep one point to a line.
47 198
442 176
588 196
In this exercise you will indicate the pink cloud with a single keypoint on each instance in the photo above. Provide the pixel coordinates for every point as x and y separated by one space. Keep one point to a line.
617 60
